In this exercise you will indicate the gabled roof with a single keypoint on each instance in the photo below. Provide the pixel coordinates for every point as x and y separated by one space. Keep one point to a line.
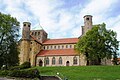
58 52
61 41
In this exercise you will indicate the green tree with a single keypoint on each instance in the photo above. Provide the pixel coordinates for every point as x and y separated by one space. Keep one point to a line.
9 32
98 43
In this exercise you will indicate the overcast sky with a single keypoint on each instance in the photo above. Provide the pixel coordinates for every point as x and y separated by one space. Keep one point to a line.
64 18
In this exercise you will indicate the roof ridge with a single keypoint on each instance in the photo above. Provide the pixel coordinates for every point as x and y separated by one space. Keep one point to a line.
63 38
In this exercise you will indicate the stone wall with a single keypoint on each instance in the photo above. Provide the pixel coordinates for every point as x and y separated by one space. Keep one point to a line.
35 49
64 61
24 51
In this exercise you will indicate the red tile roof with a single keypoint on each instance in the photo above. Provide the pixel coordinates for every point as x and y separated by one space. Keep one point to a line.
59 52
61 41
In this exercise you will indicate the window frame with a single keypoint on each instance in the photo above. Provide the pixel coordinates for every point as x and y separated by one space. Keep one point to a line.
53 61
75 60
60 60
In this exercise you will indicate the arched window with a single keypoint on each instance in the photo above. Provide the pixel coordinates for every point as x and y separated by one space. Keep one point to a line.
58 47
44 47
35 33
40 62
60 60
66 46
24 24
53 60
87 18
54 47
28 25
47 47
75 60
47 61
38 33
62 46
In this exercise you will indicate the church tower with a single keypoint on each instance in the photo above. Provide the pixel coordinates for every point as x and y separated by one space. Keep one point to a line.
87 24
25 43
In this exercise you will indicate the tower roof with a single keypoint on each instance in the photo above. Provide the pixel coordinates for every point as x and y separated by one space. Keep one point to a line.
27 23
87 16
37 27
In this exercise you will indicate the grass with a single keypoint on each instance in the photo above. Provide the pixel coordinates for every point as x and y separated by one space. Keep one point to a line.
83 72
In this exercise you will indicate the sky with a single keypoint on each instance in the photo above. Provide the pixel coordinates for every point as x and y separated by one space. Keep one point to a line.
63 18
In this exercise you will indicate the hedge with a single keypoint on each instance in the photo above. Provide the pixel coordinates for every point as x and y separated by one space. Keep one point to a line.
31 73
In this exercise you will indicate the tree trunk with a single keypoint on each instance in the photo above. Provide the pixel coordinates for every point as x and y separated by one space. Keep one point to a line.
97 61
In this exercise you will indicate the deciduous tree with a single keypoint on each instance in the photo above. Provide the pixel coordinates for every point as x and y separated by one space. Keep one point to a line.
98 43
9 32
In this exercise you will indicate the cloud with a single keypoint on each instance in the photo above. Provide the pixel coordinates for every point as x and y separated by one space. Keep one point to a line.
43 11
55 20
101 11
61 18
116 26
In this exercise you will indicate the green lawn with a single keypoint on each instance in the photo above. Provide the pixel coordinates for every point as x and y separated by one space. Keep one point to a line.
83 72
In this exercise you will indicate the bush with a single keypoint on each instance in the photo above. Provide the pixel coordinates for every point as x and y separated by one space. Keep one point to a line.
16 68
31 73
22 66
4 72
17 71
26 65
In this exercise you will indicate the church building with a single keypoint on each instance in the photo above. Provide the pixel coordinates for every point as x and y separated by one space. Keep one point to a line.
39 50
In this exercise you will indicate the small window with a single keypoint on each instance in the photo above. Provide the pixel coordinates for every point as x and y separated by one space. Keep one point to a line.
51 47
58 47
38 33
66 46
70 46
28 25
35 33
44 47
24 24
54 47
30 49
62 46
47 47
87 18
